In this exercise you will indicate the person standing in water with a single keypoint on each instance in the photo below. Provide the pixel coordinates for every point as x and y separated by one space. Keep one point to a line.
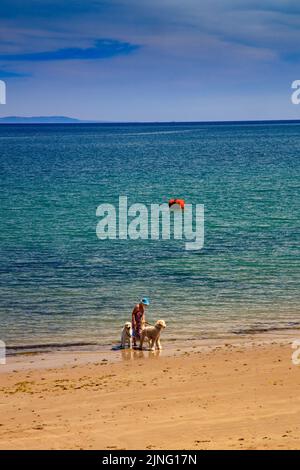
139 319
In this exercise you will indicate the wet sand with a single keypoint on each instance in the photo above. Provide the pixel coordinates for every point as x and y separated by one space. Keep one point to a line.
238 395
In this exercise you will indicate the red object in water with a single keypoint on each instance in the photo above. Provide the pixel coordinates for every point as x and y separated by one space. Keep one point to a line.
180 202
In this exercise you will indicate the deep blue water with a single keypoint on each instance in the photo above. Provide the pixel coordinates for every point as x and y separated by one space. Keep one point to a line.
60 283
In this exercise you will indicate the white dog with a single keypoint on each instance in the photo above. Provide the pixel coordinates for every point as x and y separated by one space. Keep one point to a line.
152 333
126 336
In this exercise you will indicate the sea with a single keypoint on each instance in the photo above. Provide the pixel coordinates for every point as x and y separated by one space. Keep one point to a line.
63 287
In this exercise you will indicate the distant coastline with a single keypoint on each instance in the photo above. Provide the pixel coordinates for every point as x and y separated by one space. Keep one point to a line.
39 120
71 120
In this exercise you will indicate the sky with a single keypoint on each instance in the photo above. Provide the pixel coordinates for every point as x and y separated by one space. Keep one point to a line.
150 60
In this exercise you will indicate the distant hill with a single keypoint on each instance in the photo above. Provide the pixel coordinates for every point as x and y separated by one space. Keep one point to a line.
70 120
39 120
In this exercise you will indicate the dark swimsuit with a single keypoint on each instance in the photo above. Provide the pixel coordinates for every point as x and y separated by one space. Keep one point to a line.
136 332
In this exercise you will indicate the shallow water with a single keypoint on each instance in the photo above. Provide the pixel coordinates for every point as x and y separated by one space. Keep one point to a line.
60 284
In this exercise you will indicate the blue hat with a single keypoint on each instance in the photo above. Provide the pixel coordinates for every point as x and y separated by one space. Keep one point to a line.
145 301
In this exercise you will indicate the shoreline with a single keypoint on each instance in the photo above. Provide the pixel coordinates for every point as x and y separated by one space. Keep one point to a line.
37 358
112 343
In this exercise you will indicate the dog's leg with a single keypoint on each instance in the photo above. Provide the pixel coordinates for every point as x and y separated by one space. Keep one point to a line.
142 339
158 344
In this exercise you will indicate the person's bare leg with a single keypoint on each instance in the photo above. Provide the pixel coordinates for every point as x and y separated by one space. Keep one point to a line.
142 337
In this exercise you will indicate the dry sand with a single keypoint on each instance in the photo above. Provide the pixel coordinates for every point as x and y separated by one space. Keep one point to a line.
235 396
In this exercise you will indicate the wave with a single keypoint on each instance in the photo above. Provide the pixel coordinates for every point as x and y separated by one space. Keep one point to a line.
11 350
266 329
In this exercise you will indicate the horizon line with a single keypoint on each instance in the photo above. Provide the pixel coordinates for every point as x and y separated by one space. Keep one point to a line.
72 120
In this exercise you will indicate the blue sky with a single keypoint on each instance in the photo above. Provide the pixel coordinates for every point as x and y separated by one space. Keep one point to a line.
150 60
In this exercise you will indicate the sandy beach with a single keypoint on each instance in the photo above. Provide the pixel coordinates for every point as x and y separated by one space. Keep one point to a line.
232 396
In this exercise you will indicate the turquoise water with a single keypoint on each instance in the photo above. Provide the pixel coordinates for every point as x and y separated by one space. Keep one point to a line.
60 284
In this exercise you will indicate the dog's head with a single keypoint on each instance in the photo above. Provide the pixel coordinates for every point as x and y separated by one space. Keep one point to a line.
127 325
160 324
